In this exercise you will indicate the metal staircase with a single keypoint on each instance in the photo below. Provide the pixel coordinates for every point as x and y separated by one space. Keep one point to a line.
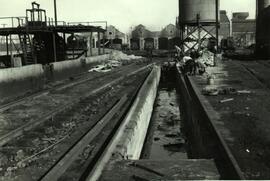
27 48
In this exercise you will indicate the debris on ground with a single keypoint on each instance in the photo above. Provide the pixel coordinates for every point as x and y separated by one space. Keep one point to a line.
228 91
211 91
207 58
19 155
3 159
117 58
226 100
210 79
244 92
101 68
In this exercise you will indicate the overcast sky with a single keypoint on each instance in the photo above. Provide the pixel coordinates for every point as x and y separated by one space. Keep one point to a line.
154 14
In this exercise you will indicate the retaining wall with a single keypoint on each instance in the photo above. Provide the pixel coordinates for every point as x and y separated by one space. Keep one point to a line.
58 71
20 80
204 140
137 120
15 82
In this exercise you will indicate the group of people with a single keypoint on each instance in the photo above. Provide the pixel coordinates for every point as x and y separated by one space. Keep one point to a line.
190 63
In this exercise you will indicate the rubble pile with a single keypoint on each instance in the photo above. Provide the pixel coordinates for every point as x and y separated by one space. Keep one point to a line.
207 58
117 58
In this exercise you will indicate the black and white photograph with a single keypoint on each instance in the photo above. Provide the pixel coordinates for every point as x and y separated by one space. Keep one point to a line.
134 90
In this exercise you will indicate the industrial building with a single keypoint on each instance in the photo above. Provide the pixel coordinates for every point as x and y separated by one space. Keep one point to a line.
243 29
164 39
115 37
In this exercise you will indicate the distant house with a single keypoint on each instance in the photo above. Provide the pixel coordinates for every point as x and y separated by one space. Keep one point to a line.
164 39
113 33
114 37
243 29
170 31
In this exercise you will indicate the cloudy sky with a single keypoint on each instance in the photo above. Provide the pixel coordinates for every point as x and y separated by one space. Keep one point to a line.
155 14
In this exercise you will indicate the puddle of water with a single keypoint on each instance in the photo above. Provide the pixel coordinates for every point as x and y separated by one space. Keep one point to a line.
167 141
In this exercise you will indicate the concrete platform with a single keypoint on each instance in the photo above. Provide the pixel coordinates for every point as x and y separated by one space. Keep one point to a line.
243 121
144 170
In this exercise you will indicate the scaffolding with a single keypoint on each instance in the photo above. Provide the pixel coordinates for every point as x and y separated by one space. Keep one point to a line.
37 39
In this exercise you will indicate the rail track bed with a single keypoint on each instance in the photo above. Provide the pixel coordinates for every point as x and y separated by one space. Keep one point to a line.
26 113
29 154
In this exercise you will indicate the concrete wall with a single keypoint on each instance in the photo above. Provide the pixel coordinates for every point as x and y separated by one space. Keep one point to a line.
65 69
137 121
90 61
70 68
204 140
20 80
15 82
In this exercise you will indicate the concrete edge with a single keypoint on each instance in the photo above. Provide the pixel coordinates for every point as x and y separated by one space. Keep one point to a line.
118 149
211 116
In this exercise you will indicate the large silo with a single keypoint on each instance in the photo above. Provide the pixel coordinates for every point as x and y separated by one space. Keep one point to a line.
263 29
262 33
198 20
261 5
190 9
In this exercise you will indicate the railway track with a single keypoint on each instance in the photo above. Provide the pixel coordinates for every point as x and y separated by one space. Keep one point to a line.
26 126
64 126
79 80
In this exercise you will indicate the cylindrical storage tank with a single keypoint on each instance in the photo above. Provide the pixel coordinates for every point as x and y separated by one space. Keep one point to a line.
261 4
206 9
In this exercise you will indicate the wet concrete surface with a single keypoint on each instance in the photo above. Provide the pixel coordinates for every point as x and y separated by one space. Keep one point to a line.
244 121
165 139
168 141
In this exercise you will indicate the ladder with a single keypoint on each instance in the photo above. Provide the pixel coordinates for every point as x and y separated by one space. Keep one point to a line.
27 48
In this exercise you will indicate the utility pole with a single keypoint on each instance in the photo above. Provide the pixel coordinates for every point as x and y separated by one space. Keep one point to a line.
217 22
54 33
55 13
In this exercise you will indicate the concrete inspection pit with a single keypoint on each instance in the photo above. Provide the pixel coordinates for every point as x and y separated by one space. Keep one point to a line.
164 152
